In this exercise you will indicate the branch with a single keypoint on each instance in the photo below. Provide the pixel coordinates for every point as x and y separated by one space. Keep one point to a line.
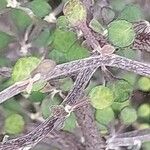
85 116
129 138
78 65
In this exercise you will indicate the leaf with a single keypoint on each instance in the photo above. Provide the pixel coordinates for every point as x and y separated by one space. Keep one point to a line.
117 107
20 19
144 84
107 14
63 40
144 111
121 90
118 4
131 13
3 4
23 67
40 8
76 52
42 39
14 124
62 23
121 33
5 39
104 116
128 115
75 12
46 105
96 26
101 97
66 84
70 123
36 96
58 56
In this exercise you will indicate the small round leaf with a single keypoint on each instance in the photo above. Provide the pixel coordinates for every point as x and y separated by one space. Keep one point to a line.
128 115
144 84
101 97
23 67
121 33
104 116
14 124
75 11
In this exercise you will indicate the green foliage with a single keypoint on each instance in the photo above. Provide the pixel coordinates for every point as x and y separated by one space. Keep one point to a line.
75 12
36 96
58 56
121 33
23 67
101 97
66 84
70 123
12 105
42 39
144 83
96 26
144 111
20 19
121 90
71 50
5 39
117 106
3 4
118 4
14 124
104 116
128 115
131 13
63 40
46 105
62 23
40 8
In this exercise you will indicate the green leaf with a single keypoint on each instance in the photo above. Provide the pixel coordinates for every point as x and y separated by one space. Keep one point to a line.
128 115
102 128
76 52
144 84
131 13
118 4
63 40
40 8
66 84
121 90
117 107
75 12
96 26
46 105
12 105
128 53
58 56
42 39
70 123
5 39
14 124
62 23
36 96
101 97
23 67
104 116
144 111
20 19
3 4
121 33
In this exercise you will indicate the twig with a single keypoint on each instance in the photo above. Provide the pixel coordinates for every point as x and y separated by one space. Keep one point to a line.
129 138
